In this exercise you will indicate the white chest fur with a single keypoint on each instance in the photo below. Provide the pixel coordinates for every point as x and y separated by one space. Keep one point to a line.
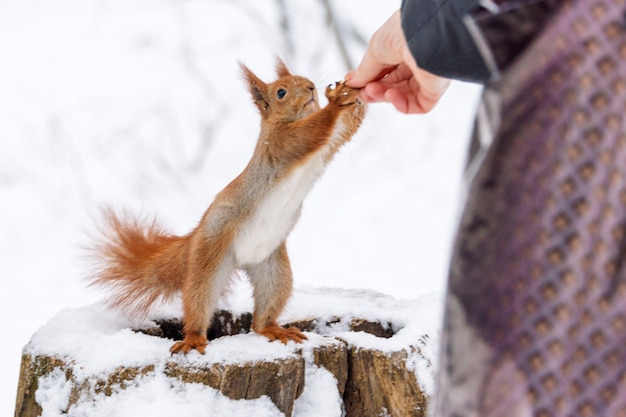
277 213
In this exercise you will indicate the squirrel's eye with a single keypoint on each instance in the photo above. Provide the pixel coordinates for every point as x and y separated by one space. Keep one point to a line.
281 93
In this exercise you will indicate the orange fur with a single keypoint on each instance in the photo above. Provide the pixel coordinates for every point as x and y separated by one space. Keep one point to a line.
245 227
141 263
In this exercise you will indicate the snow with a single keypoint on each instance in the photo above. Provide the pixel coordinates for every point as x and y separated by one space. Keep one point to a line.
79 332
320 384
53 393
139 104
156 396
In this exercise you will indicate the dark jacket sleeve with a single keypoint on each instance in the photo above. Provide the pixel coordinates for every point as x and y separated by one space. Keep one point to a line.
440 41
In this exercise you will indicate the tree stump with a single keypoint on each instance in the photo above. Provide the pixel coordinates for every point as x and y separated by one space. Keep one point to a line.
371 382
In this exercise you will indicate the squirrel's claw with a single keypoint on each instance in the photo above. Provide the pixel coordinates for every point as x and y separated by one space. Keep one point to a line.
189 343
341 94
274 332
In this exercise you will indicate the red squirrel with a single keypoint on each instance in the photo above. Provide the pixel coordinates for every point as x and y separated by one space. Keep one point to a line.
246 225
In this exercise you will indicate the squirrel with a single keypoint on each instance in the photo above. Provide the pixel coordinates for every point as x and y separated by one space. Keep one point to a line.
245 227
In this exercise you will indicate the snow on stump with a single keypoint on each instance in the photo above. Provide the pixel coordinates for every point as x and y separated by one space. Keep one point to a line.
89 359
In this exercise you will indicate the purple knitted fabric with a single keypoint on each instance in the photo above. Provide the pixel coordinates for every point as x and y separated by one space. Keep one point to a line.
535 320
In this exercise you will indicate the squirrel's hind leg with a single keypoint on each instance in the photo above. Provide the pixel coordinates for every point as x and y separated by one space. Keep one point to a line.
203 286
272 282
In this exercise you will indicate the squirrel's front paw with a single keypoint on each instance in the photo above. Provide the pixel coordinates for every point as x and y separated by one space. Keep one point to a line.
190 342
341 94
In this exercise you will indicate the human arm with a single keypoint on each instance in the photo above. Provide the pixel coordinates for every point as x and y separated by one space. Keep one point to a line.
438 37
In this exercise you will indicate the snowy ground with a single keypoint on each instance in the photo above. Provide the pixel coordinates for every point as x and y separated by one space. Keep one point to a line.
139 104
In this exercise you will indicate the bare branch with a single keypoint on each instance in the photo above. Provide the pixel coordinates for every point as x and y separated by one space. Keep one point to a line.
285 27
332 22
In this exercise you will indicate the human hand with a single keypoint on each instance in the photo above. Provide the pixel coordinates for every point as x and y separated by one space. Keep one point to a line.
388 72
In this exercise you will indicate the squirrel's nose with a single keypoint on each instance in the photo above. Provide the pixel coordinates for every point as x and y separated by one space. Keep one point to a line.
311 87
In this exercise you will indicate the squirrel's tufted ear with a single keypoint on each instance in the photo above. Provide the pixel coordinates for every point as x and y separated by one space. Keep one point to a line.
281 68
258 89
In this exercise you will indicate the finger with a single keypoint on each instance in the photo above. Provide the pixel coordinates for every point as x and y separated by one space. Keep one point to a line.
374 92
399 74
365 97
398 100
409 103
357 75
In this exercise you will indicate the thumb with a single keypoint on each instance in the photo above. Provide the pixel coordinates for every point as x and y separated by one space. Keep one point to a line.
370 69
383 53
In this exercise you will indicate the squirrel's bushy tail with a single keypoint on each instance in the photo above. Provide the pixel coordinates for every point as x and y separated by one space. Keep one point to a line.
138 262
